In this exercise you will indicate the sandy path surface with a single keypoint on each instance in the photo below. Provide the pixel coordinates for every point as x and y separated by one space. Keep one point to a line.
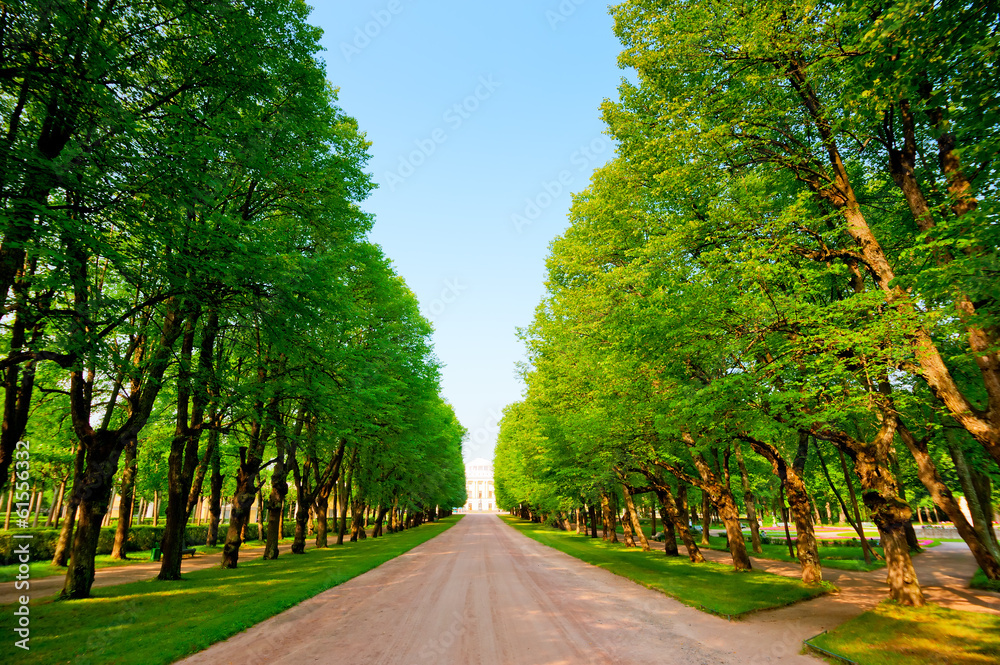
46 587
482 593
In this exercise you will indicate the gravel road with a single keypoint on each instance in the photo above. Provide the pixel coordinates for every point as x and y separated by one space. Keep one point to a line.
482 593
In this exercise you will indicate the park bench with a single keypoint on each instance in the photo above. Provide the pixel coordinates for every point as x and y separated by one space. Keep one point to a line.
157 553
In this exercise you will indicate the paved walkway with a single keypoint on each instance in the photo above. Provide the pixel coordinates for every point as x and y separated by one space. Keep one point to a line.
484 594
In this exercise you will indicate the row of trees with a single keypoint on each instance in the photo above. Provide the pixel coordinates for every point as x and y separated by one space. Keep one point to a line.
184 263
793 258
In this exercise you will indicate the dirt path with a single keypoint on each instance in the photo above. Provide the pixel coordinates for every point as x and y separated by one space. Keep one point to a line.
482 593
46 587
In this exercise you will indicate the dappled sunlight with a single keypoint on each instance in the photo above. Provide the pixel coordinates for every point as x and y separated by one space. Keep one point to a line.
892 634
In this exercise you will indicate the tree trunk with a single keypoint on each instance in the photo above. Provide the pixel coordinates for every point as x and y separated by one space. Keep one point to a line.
669 533
111 504
592 512
215 502
981 515
322 523
301 525
730 515
605 517
382 510
942 496
860 528
785 520
724 502
805 535
706 518
890 515
10 503
748 499
94 494
243 499
634 517
676 517
275 514
53 520
613 514
627 536
983 486
844 513
357 522
61 555
343 497
261 512
794 487
118 551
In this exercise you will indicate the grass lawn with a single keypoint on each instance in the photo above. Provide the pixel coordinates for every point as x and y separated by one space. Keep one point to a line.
711 586
40 569
841 557
980 581
152 622
894 635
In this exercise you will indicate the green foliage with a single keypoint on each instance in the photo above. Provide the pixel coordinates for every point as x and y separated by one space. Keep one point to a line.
184 261
790 241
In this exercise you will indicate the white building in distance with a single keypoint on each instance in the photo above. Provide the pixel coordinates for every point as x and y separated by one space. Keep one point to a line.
479 486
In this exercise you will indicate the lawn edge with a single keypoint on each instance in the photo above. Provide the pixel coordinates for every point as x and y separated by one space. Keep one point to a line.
828 588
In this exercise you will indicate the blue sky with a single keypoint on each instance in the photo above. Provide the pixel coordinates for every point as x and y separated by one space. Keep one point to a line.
483 116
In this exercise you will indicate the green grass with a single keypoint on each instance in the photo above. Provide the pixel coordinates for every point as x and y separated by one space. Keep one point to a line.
980 581
152 622
892 634
40 569
710 586
830 556
840 557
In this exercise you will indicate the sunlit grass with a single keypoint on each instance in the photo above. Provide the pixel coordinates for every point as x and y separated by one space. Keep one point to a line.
711 586
40 569
830 556
152 622
892 634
